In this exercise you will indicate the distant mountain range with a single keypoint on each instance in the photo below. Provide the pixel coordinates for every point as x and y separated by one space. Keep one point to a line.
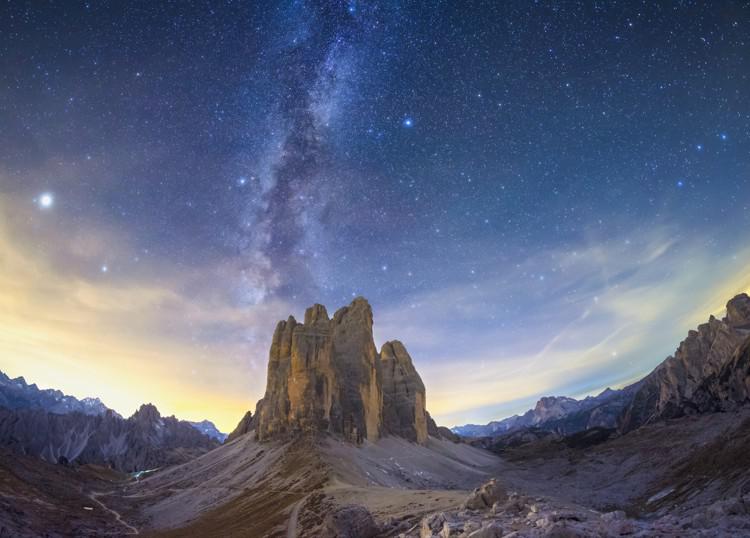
146 440
560 414
17 394
61 428
708 372
209 428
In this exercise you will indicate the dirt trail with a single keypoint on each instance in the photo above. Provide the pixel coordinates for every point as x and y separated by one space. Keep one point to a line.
291 530
118 517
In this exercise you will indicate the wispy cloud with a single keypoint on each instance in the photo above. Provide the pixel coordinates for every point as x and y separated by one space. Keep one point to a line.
599 314
140 332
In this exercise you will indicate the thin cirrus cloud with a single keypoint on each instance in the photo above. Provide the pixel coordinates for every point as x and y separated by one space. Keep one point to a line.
604 316
124 336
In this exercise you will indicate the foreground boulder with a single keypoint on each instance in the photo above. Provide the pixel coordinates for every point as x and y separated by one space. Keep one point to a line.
350 521
485 496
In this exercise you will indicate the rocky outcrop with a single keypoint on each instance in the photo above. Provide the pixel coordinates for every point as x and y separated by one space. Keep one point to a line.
701 374
246 425
440 432
404 412
350 521
730 387
325 375
146 440
485 496
519 516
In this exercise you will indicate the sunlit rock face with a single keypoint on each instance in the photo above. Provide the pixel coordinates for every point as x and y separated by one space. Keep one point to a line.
691 380
325 375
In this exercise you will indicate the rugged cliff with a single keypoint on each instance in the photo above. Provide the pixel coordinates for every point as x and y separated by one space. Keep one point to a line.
710 371
700 375
404 412
326 375
246 425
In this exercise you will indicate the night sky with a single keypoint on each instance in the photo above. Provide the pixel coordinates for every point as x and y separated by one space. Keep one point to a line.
536 197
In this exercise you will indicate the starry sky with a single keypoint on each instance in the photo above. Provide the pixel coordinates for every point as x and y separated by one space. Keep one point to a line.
536 197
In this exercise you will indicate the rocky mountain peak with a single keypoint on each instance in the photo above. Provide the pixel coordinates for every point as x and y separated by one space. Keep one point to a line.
552 407
20 381
326 375
317 313
208 428
147 413
395 349
358 311
404 412
738 310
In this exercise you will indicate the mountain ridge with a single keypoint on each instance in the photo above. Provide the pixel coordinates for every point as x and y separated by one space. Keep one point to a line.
666 392
16 393
145 440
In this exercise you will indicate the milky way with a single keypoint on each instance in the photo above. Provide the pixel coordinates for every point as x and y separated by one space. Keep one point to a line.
509 183
306 72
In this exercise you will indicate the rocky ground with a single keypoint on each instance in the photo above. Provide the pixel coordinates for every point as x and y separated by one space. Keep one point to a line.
490 512
41 499
686 477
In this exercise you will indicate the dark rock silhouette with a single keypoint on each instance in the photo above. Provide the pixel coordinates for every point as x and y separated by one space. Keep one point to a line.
146 440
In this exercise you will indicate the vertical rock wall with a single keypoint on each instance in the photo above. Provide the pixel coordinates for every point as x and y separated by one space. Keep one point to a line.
326 375
404 412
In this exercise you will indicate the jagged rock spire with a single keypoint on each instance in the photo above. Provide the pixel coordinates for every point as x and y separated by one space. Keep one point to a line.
326 375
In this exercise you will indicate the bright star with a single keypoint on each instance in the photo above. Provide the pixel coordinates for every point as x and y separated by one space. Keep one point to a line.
680 184
723 136
408 122
105 268
46 200
699 147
